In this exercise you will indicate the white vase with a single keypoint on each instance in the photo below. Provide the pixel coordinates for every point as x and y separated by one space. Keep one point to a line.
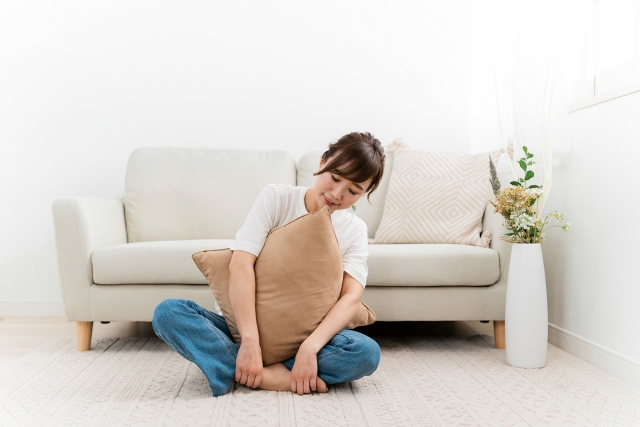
526 314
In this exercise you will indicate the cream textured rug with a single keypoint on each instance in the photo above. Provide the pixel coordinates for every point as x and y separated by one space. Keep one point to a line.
421 381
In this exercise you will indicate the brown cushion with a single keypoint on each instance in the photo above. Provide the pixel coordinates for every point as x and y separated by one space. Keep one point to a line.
298 279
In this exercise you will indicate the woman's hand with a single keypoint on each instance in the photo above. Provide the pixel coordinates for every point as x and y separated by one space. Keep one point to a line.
304 373
249 364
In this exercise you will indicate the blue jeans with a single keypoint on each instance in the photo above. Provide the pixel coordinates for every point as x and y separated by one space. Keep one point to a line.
203 337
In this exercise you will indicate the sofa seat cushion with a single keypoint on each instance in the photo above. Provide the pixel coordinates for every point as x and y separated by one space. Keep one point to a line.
164 262
432 265
159 262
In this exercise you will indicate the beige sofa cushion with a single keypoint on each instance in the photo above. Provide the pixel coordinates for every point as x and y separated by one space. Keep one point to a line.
432 265
436 197
169 262
299 276
197 193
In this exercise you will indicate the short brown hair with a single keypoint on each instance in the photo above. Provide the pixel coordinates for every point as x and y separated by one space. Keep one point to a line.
356 156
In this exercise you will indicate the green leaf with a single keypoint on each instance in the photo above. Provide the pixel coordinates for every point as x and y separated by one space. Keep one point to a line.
523 165
529 163
509 234
534 186
529 155
528 176
516 183
524 148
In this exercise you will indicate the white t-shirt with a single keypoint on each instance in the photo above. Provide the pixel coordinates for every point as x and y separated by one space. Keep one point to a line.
279 204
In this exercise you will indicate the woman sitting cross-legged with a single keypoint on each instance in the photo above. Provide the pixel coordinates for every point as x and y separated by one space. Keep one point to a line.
332 354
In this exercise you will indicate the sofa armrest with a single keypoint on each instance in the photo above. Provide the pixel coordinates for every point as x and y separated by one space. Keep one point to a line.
494 222
81 225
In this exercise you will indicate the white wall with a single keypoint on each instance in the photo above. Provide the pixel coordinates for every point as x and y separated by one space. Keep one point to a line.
592 272
85 83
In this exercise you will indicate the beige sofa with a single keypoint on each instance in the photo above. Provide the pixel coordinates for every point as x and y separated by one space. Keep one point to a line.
118 259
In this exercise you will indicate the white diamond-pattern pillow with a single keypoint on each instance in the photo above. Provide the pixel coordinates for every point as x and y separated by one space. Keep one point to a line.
436 197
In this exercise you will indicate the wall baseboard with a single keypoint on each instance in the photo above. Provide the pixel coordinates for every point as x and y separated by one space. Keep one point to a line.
605 359
28 308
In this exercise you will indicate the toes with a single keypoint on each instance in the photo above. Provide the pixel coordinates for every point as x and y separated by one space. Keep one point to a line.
321 386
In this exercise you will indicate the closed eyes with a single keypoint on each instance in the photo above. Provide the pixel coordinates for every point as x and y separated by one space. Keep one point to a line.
336 180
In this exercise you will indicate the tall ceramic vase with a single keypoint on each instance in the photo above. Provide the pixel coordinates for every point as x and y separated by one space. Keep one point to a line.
526 315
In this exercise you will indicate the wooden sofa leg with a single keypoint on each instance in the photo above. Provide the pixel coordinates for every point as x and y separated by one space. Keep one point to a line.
498 334
84 331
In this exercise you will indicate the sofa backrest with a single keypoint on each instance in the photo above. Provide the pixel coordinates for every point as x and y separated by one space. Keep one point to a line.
370 212
197 193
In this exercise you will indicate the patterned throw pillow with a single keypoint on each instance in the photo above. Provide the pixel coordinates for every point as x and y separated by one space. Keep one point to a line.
436 197
298 280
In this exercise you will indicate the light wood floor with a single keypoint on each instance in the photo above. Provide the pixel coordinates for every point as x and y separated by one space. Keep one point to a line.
20 335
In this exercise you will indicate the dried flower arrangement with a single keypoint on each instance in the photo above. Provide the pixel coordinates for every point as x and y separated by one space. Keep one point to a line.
519 204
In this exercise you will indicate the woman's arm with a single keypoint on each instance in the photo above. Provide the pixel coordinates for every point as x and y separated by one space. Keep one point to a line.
338 317
242 283
242 295
305 369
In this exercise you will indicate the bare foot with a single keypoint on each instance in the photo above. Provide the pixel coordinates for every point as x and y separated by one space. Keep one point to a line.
277 377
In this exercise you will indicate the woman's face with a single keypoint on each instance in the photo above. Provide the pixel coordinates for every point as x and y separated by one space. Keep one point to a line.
330 187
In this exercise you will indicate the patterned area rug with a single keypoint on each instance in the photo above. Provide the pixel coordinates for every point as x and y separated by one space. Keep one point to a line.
421 381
